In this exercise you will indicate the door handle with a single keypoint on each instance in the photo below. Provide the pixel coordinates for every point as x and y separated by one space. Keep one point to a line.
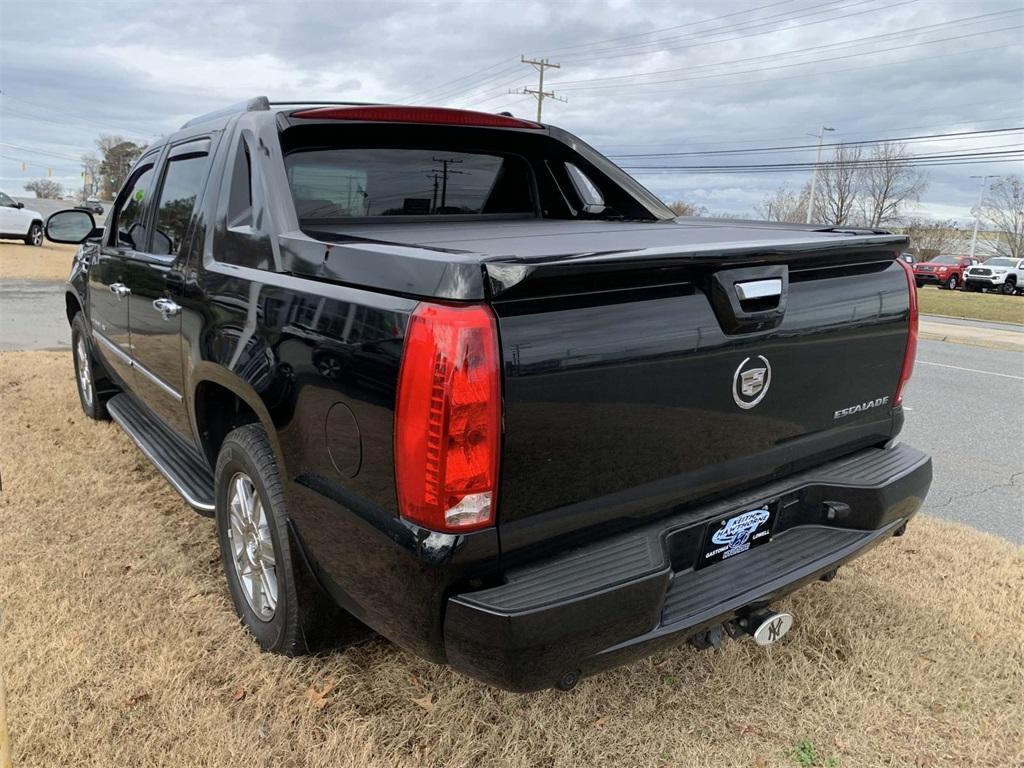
167 308
120 290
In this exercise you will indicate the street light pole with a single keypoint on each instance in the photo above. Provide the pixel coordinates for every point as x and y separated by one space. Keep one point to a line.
814 175
977 210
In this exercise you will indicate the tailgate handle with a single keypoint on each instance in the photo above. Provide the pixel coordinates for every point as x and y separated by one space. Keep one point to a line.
749 299
759 289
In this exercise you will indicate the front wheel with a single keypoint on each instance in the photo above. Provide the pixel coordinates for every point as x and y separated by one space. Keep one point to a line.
952 283
35 235
89 395
1008 288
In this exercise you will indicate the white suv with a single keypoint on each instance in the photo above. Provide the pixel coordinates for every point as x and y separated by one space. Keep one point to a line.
17 221
998 274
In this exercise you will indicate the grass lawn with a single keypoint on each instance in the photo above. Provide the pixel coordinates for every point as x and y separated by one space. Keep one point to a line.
973 306
119 647
28 262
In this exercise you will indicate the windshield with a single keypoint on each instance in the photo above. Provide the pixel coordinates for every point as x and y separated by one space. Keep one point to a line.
945 260
347 183
1000 263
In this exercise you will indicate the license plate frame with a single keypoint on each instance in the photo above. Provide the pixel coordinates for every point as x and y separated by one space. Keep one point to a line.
736 534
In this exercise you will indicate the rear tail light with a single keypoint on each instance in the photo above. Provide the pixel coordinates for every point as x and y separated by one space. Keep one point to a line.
386 113
448 419
911 351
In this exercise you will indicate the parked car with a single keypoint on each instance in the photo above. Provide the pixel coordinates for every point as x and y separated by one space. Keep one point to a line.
92 205
943 271
1001 274
19 222
525 422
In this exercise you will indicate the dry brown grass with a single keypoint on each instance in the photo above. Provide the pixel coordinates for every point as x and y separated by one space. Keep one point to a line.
50 262
120 648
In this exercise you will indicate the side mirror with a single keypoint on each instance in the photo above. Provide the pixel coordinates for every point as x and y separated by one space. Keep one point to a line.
71 226
19 205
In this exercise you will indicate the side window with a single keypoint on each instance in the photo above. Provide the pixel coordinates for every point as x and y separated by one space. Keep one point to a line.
587 192
238 238
129 224
6 201
183 182
240 194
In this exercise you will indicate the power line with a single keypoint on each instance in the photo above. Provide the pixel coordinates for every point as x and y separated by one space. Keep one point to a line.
576 84
992 154
754 28
790 148
701 34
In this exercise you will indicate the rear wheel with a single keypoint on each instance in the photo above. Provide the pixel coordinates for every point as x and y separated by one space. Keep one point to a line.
35 235
90 386
273 592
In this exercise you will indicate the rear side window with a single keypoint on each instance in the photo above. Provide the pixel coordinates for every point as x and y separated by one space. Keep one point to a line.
331 184
182 184
586 190
129 218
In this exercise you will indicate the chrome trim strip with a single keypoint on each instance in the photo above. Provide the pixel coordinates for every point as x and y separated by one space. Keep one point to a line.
136 365
115 348
759 289
189 499
156 380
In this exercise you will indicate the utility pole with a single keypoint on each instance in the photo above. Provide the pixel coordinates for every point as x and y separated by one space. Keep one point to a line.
445 171
814 175
977 209
539 93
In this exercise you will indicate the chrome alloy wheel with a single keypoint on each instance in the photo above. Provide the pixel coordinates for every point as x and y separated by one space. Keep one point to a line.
252 548
37 236
84 372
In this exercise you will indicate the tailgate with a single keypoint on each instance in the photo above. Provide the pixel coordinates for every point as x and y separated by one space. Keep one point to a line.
632 394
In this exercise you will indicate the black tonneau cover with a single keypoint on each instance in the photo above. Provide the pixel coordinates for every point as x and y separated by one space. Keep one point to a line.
453 260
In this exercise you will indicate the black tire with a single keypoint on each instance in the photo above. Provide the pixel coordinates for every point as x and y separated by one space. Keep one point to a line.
1008 287
35 235
92 385
918 284
952 282
303 615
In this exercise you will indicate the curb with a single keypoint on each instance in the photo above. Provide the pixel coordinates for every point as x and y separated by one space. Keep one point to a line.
1011 345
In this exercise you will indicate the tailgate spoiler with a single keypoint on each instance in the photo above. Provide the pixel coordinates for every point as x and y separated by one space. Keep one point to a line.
447 273
508 276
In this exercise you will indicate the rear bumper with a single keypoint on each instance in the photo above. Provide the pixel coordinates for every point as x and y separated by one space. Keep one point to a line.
624 597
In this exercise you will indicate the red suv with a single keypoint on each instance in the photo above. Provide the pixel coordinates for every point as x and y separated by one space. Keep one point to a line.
943 271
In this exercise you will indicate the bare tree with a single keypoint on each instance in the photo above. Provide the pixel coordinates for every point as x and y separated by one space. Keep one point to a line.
683 208
91 180
1003 211
45 188
119 155
784 204
839 187
931 238
888 182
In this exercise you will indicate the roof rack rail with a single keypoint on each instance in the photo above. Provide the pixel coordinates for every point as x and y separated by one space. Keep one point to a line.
256 104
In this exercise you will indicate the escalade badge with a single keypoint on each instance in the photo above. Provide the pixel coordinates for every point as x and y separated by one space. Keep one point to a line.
751 381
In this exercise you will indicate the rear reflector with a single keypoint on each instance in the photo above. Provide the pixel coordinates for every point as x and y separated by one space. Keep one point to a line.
434 115
911 352
448 419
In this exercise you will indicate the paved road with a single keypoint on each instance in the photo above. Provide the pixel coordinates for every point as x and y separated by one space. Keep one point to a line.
965 406
32 315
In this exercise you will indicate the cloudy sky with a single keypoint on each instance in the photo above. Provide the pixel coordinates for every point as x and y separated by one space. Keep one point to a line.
640 77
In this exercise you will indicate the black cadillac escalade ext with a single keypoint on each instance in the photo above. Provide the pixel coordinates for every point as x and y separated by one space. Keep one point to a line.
457 378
